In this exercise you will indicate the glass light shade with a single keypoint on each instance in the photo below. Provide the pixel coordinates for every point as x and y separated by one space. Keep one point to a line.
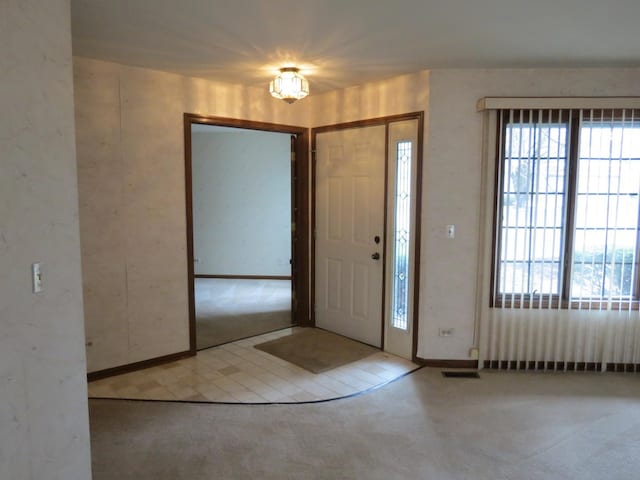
289 85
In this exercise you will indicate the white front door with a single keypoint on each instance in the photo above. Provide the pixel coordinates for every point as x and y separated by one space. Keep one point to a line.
350 199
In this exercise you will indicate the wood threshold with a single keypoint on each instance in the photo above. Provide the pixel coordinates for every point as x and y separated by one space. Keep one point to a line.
246 277
132 367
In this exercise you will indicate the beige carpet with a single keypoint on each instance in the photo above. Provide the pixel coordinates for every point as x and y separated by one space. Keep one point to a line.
217 331
505 426
231 309
316 350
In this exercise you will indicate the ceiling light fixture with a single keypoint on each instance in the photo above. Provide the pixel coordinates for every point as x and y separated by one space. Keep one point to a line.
289 85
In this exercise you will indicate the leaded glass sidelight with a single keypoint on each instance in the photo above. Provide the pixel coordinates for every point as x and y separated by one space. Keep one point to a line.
401 237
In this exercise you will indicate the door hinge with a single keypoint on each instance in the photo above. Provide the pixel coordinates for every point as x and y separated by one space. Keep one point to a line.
293 226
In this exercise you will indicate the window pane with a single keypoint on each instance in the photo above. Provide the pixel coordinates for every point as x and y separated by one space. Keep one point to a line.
551 175
609 139
547 139
606 211
530 277
605 175
401 237
587 279
605 234
546 208
545 277
532 205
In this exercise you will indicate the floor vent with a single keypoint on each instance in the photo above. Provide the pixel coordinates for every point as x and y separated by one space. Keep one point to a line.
460 374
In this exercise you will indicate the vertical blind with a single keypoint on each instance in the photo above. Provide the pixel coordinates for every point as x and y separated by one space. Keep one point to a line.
565 285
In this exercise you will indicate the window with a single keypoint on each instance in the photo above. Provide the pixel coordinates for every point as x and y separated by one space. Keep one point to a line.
401 237
567 208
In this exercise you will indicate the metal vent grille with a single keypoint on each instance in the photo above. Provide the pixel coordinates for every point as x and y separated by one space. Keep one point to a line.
461 374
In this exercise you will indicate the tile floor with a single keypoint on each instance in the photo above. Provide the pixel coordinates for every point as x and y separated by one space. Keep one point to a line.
238 373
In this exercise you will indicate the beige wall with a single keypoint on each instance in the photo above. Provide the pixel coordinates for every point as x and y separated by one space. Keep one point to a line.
132 200
131 179
452 193
452 172
241 202
403 94
44 430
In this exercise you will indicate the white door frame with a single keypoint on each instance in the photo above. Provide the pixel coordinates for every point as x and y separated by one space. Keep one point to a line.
419 116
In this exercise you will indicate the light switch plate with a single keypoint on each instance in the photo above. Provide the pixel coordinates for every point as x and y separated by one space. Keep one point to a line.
451 231
36 275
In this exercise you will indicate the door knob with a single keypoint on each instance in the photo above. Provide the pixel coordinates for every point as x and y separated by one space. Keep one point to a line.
375 256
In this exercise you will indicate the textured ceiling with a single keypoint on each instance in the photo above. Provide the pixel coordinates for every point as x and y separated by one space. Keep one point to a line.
339 43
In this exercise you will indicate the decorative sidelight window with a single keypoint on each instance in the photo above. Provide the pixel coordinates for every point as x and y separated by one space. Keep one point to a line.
567 209
401 237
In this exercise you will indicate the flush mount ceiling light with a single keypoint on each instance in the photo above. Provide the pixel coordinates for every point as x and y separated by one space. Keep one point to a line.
289 85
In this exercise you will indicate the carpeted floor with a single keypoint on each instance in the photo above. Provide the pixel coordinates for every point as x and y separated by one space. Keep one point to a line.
316 350
504 426
231 309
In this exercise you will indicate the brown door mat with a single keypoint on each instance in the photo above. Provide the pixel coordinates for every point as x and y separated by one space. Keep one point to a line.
316 350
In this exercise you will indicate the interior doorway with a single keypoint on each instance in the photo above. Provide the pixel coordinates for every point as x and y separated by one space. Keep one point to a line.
366 201
245 256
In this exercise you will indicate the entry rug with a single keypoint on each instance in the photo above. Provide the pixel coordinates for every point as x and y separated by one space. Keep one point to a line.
316 350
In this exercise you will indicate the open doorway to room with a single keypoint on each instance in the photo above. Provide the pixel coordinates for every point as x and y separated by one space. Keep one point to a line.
241 212
241 232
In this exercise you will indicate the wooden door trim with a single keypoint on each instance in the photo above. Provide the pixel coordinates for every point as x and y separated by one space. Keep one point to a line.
383 300
419 116
300 211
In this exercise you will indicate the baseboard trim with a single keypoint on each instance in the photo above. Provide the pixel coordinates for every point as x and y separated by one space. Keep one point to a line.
247 277
442 363
561 366
132 367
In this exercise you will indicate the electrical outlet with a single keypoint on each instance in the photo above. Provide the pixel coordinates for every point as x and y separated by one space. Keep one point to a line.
474 353
445 332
